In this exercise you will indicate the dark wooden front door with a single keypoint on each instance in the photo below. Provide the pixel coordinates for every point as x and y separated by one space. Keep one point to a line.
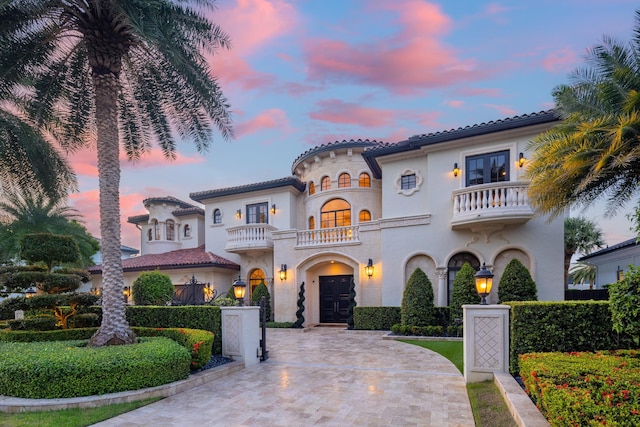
334 299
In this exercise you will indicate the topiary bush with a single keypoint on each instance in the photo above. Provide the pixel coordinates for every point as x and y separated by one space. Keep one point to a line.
516 283
624 298
152 288
417 300
352 304
464 291
259 292
299 313
70 369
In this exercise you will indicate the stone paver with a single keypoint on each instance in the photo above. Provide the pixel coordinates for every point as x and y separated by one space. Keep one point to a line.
322 377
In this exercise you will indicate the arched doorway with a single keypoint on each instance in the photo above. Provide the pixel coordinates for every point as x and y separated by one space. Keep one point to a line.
256 277
455 264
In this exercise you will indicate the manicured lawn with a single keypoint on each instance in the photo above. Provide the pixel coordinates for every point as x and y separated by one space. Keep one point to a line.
70 417
452 350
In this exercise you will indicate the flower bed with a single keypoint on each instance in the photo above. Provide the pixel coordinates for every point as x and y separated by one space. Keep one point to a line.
579 389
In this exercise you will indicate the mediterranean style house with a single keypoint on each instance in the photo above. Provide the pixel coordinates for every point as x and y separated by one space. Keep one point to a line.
611 262
366 211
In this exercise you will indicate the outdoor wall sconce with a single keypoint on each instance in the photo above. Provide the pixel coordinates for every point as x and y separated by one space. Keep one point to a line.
31 291
368 269
619 274
283 272
239 213
127 293
239 289
209 292
456 169
484 283
95 291
521 160
273 208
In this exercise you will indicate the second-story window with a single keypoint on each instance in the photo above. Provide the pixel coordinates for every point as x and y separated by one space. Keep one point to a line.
335 213
150 235
258 213
312 188
364 180
170 226
187 230
408 182
156 230
486 168
217 216
312 223
364 216
344 180
325 183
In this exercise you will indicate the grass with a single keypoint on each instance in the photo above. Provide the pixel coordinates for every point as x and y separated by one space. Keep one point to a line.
488 405
76 417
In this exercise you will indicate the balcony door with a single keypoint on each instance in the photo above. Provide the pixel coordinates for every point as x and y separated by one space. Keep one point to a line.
334 298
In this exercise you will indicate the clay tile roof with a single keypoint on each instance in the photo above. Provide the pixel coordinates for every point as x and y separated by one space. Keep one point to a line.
196 257
332 146
194 210
266 185
169 200
138 219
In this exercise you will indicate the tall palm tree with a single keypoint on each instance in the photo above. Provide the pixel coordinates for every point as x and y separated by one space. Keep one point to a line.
582 235
595 152
27 160
130 71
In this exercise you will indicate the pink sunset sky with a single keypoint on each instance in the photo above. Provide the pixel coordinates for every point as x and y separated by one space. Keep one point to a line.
304 73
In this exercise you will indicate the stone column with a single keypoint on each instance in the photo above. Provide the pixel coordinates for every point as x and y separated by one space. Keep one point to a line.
443 291
486 341
241 334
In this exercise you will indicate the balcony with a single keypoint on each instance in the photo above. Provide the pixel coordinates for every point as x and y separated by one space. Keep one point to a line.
338 236
249 237
491 205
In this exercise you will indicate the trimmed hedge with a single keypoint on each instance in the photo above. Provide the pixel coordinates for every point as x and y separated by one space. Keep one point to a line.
375 318
279 325
576 389
422 331
562 326
62 369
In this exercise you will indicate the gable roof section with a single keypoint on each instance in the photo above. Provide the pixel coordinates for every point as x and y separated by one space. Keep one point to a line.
333 146
168 200
417 141
182 258
622 245
266 185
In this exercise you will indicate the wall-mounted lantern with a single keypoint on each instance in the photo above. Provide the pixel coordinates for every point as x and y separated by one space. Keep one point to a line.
521 160
368 269
239 213
484 283
239 289
273 208
283 272
126 291
456 169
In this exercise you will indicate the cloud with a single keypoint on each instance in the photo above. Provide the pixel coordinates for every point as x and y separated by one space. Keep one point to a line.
454 103
490 92
502 109
337 111
560 61
413 59
268 119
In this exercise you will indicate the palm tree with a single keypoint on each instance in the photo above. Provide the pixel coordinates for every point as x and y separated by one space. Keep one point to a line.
584 272
595 152
27 160
111 71
582 235
30 211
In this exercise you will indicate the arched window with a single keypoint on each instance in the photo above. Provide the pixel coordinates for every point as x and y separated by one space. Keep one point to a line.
312 188
156 230
255 278
312 223
364 180
455 264
187 230
325 183
364 216
217 216
150 234
344 180
335 213
170 226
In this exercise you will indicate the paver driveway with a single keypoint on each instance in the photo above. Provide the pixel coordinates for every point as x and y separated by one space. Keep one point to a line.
322 377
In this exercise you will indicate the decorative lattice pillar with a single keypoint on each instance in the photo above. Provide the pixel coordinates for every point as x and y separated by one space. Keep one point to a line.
486 341
241 334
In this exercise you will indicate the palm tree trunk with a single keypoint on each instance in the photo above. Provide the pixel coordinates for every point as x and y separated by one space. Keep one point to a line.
114 328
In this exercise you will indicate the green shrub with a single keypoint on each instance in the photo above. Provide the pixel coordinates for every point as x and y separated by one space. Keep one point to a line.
352 304
152 288
41 322
564 326
70 369
464 290
426 331
375 318
279 325
52 249
624 297
417 300
442 316
299 323
223 301
259 292
57 335
84 320
45 302
455 330
575 389
516 283
197 341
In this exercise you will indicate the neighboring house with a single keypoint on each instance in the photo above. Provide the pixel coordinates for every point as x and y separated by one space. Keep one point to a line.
127 252
433 201
612 261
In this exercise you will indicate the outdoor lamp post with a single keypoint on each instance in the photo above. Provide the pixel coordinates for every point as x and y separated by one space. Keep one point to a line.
484 283
239 289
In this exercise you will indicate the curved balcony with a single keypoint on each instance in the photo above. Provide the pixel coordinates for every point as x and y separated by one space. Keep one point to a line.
249 237
491 205
337 236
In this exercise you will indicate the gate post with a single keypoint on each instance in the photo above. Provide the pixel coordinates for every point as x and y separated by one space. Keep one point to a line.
240 334
486 341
